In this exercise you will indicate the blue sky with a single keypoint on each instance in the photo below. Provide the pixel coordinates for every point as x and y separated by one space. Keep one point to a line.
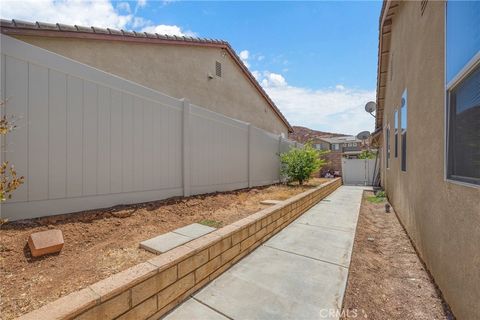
317 60
317 44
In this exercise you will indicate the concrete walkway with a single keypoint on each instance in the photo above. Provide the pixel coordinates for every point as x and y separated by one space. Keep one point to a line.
300 273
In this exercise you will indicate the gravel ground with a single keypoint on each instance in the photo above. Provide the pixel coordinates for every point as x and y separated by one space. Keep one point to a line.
387 280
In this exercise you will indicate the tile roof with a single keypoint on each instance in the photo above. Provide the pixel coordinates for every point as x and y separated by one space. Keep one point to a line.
21 24
345 139
19 27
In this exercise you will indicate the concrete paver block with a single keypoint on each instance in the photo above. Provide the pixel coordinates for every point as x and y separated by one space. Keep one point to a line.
272 284
270 202
164 242
192 309
194 230
331 218
320 243
45 242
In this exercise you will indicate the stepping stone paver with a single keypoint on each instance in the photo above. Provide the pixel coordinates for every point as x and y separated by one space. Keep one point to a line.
164 242
194 230
175 238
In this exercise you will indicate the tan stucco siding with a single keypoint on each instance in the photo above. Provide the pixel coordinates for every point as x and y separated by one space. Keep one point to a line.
178 71
442 218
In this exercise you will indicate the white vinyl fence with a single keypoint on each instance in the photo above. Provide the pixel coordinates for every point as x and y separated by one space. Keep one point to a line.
359 171
88 139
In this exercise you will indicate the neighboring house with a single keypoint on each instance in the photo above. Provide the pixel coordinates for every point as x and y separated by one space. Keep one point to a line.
428 126
207 72
339 145
346 146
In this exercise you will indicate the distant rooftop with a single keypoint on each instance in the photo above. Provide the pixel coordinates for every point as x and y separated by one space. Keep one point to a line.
344 139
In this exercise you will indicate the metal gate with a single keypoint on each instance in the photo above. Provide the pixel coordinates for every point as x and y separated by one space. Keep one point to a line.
358 171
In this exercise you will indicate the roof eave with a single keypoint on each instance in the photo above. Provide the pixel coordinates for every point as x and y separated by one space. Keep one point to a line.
385 26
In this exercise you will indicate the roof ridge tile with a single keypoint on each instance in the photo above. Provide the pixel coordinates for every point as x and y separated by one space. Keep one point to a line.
66 27
47 26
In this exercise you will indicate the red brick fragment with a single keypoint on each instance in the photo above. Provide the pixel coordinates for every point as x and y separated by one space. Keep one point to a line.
45 242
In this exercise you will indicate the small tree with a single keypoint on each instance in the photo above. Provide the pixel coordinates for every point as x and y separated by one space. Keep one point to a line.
298 164
9 181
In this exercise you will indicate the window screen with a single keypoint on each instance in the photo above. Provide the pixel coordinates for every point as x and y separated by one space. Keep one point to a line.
464 130
463 91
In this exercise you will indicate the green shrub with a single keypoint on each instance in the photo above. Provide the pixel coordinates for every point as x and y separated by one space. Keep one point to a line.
367 154
379 197
375 199
298 164
381 194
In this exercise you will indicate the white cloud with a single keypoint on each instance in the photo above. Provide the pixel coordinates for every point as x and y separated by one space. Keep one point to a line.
168 29
257 75
271 80
244 55
99 13
339 109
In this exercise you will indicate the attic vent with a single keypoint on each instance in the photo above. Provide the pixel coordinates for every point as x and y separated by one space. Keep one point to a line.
423 5
218 69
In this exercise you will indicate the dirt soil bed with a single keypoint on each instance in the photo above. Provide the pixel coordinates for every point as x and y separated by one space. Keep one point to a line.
99 243
387 280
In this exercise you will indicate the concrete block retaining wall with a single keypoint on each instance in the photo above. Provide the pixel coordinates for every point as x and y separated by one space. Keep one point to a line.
151 289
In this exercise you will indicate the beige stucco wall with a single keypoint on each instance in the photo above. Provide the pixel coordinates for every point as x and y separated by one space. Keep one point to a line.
442 218
178 71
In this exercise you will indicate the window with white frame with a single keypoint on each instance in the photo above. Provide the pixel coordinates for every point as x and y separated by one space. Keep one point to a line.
395 133
403 134
463 91
387 146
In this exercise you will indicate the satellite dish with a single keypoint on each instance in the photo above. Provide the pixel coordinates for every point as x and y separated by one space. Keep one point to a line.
364 135
370 106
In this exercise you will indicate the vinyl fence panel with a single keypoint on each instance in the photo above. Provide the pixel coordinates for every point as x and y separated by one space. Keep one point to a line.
265 157
88 139
358 171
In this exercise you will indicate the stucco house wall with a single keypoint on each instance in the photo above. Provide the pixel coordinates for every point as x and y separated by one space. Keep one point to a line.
176 70
442 218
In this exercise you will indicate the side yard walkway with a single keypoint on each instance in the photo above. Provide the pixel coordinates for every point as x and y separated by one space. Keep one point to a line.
301 273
